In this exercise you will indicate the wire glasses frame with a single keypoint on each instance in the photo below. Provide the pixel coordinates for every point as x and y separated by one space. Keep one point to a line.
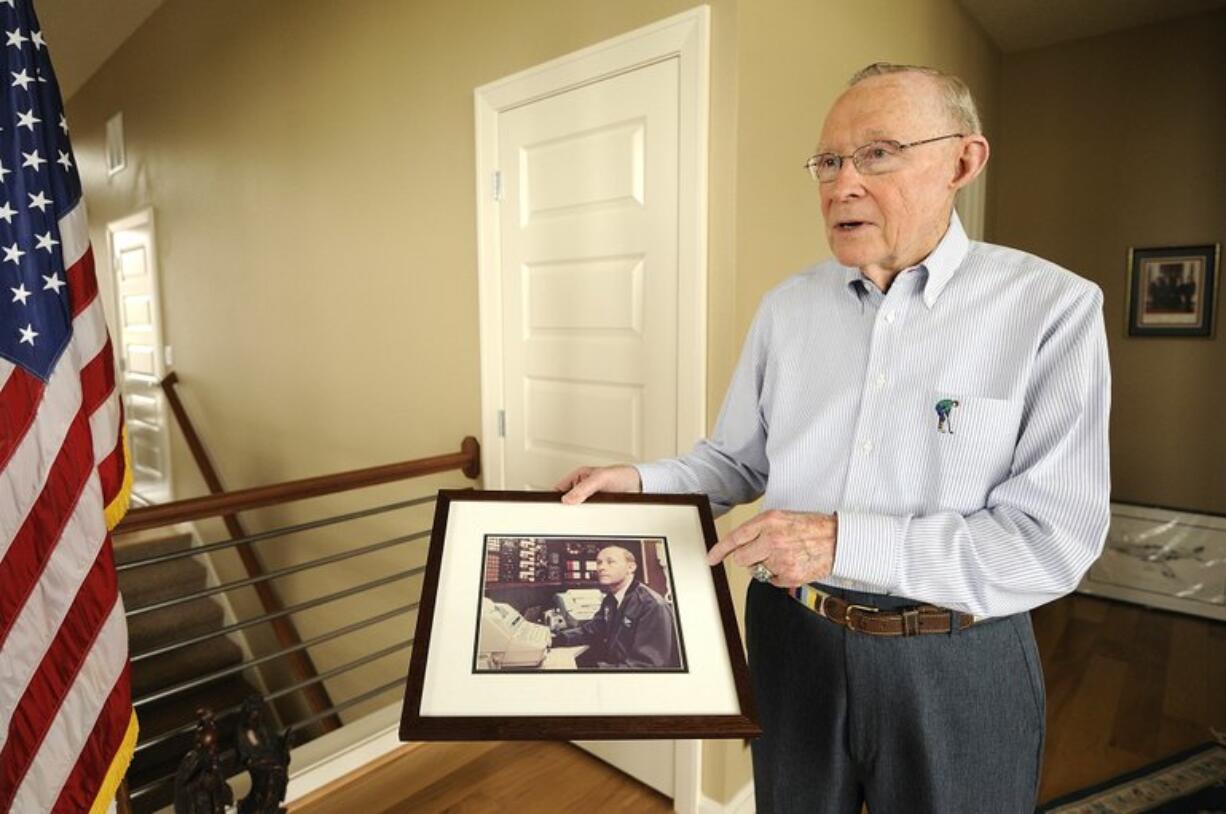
873 158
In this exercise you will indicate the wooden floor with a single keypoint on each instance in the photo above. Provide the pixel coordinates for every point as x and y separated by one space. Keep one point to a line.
1125 686
483 778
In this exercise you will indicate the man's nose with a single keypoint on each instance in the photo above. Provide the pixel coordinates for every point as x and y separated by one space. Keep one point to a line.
848 182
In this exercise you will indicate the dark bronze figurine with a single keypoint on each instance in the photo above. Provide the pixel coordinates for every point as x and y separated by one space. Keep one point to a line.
200 785
265 756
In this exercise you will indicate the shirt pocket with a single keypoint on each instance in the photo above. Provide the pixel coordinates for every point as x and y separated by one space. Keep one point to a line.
971 452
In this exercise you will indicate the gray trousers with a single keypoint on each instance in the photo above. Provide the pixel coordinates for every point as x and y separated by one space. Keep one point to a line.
933 723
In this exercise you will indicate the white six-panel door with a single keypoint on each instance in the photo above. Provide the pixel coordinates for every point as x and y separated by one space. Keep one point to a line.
589 269
140 350
591 199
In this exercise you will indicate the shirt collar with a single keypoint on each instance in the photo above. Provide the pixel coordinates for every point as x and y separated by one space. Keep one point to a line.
620 595
940 265
945 259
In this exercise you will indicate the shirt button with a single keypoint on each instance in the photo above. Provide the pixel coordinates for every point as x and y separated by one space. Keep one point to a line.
879 381
866 447
889 317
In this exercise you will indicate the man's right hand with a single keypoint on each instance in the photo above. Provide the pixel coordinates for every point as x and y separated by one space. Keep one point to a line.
588 480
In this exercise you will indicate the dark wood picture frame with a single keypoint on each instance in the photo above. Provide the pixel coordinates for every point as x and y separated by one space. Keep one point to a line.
1172 290
416 726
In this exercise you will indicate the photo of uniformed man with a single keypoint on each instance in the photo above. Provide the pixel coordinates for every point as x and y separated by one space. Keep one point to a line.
552 603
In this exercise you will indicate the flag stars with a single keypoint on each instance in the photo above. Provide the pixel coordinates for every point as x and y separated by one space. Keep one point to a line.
21 78
34 160
46 242
39 202
27 334
7 212
20 294
28 119
64 160
36 37
3 172
12 254
63 124
16 38
54 283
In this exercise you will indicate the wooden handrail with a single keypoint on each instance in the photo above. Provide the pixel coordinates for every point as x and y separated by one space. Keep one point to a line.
467 460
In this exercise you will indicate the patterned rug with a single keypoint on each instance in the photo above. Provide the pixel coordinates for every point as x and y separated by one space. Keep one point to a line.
1193 781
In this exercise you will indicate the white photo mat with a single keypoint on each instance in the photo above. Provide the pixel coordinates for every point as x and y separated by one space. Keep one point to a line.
452 688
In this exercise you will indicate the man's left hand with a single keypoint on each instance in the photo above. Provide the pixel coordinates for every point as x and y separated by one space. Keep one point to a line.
797 547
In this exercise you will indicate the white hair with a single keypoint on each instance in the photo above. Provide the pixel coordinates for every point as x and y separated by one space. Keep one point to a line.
959 102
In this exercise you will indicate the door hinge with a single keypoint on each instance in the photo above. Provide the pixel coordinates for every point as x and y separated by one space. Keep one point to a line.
502 423
496 185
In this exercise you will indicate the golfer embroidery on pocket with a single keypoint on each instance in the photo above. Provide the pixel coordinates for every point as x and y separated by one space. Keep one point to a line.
945 415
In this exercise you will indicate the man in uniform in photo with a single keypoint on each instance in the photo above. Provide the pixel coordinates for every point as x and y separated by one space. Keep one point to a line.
895 561
633 628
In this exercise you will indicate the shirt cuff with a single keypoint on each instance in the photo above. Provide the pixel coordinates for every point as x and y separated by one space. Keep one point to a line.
866 548
658 477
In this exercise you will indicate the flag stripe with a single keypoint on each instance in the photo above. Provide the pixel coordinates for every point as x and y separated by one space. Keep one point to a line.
74 722
74 234
58 577
19 399
104 423
39 535
60 403
57 671
98 379
82 282
112 472
104 759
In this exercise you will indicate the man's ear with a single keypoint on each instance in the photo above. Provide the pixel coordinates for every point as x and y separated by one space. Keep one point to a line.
971 160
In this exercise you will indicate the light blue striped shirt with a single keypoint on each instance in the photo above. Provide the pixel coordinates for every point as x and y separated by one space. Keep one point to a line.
997 508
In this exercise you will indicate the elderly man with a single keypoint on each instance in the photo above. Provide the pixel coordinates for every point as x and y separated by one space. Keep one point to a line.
888 633
634 627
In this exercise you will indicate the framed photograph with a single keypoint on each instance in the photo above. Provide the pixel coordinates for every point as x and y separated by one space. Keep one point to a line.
1174 559
542 621
1172 291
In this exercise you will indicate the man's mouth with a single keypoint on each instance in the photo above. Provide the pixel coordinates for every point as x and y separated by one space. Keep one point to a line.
850 225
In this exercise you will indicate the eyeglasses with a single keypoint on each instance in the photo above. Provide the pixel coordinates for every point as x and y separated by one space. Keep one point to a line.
874 158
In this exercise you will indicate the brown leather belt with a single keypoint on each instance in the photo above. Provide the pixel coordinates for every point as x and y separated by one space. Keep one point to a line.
910 621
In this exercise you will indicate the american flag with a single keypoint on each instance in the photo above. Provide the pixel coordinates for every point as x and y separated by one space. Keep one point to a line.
67 728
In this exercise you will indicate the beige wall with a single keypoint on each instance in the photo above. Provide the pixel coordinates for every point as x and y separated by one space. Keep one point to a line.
311 171
1116 142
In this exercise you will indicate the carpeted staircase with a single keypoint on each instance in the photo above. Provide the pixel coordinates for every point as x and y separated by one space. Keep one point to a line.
146 585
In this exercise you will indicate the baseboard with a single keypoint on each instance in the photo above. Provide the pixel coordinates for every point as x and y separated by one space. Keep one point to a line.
341 755
741 803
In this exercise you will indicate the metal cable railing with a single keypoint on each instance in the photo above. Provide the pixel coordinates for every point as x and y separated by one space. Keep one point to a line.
208 678
281 572
269 535
184 669
268 617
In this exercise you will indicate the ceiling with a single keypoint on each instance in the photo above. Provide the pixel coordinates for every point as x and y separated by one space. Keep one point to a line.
82 34
1017 25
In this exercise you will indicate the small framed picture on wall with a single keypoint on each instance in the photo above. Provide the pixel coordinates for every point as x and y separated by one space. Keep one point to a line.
1172 290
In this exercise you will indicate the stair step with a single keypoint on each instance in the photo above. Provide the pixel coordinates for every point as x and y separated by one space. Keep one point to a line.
173 624
128 550
183 664
163 716
153 583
